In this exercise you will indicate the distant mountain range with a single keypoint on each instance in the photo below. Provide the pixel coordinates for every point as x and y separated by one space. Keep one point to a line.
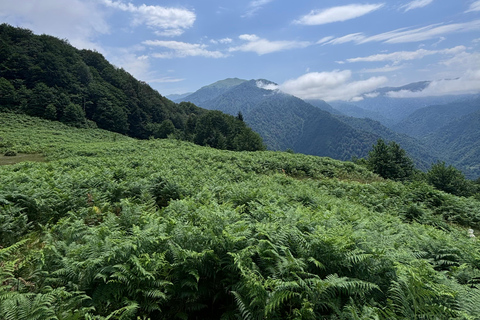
287 122
427 128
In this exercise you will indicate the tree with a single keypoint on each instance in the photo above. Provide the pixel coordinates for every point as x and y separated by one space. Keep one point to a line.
74 115
449 179
7 94
390 161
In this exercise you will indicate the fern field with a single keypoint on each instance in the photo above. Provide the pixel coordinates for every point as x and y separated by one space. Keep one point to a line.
115 228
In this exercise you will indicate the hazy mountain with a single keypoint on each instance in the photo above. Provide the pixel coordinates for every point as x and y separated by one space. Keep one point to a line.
380 106
324 106
351 110
174 97
211 91
421 152
430 119
459 140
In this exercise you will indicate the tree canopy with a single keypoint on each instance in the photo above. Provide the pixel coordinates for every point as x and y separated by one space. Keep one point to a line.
390 161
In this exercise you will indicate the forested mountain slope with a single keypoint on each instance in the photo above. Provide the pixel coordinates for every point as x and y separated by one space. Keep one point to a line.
116 228
460 141
422 153
430 119
46 77
287 122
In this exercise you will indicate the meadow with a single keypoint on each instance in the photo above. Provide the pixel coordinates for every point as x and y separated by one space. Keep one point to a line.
111 227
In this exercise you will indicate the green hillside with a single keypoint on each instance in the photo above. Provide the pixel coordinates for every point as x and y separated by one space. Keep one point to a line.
112 227
460 141
427 120
45 77
423 154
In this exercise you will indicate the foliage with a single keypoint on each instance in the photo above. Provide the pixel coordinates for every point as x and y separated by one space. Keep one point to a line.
449 179
390 161
117 228
45 77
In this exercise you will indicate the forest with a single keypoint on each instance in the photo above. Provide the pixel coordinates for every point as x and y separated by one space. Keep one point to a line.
110 227
46 77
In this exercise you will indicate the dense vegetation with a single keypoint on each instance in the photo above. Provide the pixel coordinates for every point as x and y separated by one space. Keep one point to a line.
116 228
46 77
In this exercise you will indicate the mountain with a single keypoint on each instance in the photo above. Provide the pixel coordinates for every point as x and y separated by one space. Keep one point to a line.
322 105
422 153
287 122
348 109
381 106
459 140
46 77
211 91
430 119
175 97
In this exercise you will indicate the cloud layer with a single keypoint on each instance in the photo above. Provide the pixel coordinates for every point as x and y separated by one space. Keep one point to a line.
416 4
264 46
405 35
79 21
329 86
182 50
337 14
165 21
407 55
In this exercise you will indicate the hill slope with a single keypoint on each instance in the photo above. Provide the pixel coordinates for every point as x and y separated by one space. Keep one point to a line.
46 77
163 228
422 153
430 119
460 141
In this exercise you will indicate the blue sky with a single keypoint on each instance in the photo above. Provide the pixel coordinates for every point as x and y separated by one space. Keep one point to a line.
331 50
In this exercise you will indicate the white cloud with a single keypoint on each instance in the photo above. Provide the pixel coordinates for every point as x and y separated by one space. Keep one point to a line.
329 86
165 80
354 37
467 84
424 33
474 7
325 39
254 6
267 86
167 22
182 50
79 21
387 68
407 55
222 41
416 4
406 35
372 94
337 14
263 46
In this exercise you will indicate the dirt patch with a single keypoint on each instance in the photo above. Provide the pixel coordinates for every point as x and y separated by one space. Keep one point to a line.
21 157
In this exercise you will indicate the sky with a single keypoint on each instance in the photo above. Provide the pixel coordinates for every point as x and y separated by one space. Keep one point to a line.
325 49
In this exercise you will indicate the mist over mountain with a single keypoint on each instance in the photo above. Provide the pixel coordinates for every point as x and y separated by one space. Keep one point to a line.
382 105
